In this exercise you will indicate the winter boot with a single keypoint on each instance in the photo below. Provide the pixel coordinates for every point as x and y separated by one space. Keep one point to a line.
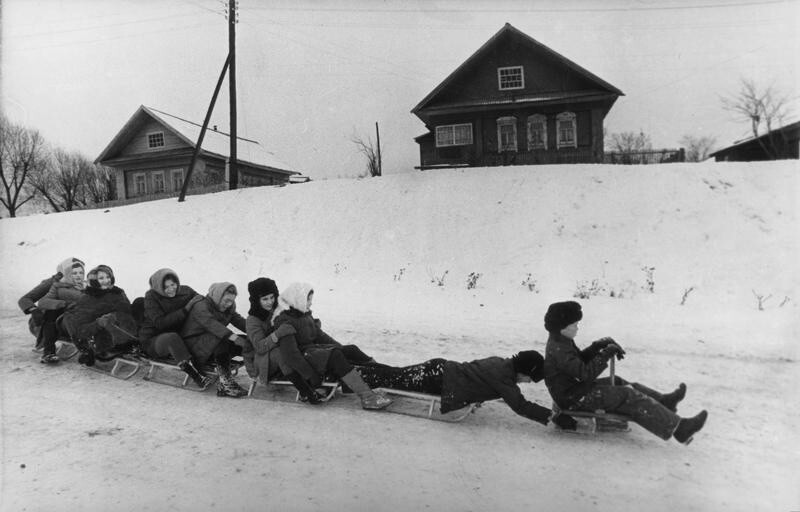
369 399
688 427
201 380
49 359
307 393
86 356
671 400
226 385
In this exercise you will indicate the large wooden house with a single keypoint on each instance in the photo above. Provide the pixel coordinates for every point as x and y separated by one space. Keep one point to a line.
515 102
152 152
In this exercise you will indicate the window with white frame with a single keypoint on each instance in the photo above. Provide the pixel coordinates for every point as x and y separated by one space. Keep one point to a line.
155 140
139 184
510 77
454 135
507 134
159 184
177 179
537 132
566 130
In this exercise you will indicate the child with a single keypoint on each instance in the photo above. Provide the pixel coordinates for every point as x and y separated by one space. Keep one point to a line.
101 319
62 295
27 303
571 376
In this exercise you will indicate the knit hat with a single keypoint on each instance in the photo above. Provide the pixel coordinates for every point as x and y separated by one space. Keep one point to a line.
530 363
259 288
562 314
92 275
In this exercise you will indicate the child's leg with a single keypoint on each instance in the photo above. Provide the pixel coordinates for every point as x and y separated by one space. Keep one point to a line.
640 408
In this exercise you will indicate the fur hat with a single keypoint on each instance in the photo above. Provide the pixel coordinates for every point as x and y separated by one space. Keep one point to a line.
562 314
92 275
529 362
259 288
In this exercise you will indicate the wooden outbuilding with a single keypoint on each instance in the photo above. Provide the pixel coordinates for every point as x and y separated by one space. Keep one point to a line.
779 144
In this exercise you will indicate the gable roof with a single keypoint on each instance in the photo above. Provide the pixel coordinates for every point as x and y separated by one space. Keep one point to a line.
215 142
509 29
786 130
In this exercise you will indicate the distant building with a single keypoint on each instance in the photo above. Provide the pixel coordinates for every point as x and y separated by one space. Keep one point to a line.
151 154
514 102
779 144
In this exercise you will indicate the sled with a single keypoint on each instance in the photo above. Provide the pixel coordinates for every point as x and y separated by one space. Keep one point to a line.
590 422
119 365
277 384
422 405
170 374
65 350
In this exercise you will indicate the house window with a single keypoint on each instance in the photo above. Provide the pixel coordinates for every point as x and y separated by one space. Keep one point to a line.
510 78
507 134
155 140
139 184
158 182
454 135
177 179
537 132
565 130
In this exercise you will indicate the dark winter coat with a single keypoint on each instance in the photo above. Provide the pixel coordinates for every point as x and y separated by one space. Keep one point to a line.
27 302
61 295
162 313
486 379
81 320
569 373
206 325
313 345
262 358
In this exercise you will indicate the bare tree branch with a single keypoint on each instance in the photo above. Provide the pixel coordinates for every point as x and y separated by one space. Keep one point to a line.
22 157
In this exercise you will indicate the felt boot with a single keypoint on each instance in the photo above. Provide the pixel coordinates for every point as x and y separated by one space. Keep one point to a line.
370 400
688 427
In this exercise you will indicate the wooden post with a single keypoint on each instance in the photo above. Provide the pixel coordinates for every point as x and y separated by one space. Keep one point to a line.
232 167
378 137
203 132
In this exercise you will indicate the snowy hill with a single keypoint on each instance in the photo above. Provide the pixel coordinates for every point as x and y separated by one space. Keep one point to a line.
391 260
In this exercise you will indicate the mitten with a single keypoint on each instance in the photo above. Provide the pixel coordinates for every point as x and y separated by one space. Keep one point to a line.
613 350
565 422
603 342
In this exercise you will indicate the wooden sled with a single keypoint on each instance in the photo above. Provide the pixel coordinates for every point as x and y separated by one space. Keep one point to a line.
329 387
122 366
422 405
590 422
65 349
170 374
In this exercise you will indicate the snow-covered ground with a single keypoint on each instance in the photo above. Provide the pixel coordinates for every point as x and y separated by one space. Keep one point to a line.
713 236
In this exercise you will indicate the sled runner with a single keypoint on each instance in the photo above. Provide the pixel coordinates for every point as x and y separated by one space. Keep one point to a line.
122 365
423 405
65 350
168 372
329 387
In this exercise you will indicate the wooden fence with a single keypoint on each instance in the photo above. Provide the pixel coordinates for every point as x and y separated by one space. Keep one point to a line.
654 156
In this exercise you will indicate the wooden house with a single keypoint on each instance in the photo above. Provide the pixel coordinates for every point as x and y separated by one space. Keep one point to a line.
152 152
779 144
515 102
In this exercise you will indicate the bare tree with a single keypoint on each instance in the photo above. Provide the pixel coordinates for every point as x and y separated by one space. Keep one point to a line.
63 183
371 152
762 108
630 142
22 157
100 183
697 148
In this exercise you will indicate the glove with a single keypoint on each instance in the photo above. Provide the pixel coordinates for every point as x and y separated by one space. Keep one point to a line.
106 320
613 350
194 300
604 342
565 422
37 315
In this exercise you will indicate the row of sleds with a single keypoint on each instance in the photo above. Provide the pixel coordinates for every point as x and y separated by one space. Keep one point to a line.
126 364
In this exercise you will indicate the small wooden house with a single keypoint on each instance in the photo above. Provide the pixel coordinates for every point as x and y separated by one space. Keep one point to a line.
514 102
779 144
152 152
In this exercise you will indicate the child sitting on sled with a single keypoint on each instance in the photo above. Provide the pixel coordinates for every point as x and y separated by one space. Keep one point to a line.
571 376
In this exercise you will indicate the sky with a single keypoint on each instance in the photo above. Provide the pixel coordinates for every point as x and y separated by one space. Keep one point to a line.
311 75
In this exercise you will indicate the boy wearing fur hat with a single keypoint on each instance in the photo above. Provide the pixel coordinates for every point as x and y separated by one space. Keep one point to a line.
101 319
571 376
62 295
461 384
207 335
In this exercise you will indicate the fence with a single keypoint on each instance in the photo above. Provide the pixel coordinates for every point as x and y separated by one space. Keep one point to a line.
654 156
219 187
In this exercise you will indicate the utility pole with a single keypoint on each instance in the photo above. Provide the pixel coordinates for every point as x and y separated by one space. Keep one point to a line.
233 174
